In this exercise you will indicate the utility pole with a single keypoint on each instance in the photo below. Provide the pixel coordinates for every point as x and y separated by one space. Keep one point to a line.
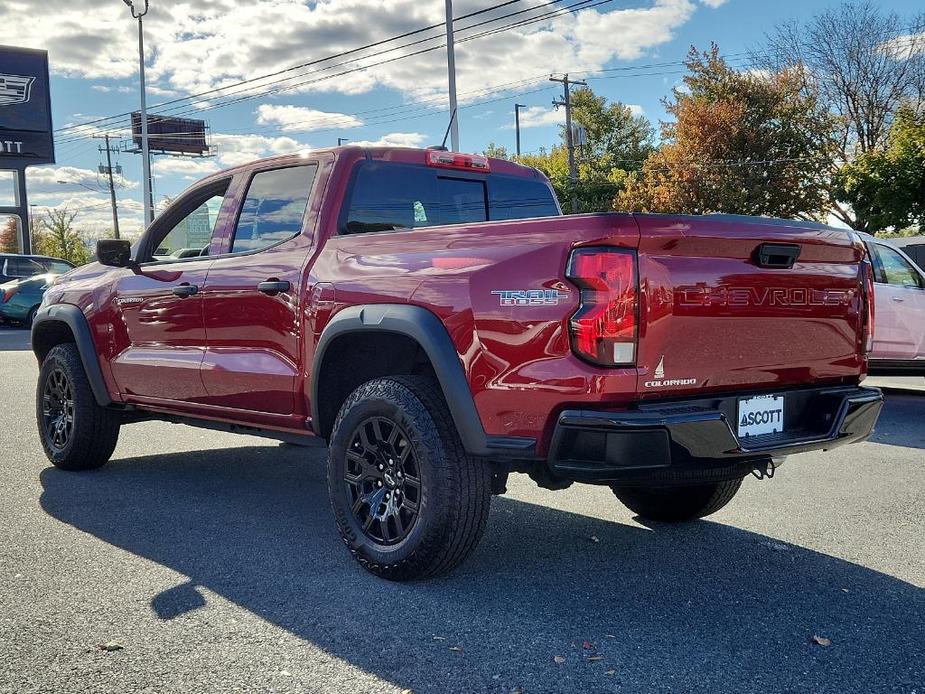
451 73
569 139
148 193
342 140
517 108
112 186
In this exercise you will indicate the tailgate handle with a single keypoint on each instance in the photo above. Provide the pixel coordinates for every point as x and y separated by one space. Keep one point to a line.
777 255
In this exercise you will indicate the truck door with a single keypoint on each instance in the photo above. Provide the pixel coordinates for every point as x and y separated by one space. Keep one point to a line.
251 298
158 329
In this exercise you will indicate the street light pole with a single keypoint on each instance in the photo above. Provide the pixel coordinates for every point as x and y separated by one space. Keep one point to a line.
451 73
145 152
517 108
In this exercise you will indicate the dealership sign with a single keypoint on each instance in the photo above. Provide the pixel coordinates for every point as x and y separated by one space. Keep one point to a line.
25 108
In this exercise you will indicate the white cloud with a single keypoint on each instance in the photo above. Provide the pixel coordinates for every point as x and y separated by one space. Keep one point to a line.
187 169
239 149
301 119
636 109
196 46
395 140
538 116
905 46
43 179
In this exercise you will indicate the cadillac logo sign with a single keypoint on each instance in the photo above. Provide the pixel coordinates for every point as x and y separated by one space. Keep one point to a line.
15 89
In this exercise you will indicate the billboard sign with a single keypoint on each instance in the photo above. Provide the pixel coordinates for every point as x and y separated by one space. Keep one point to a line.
25 108
168 134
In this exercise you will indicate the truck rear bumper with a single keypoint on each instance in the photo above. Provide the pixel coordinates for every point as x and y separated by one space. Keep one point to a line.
694 440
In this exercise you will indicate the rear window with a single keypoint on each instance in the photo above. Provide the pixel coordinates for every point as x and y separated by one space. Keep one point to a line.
387 196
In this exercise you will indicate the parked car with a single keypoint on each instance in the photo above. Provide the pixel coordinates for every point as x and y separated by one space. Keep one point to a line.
14 267
20 299
433 318
899 316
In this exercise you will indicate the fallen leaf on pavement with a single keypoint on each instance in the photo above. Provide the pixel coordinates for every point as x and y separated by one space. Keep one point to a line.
110 646
559 659
595 658
440 638
822 641
595 538
456 649
611 672
611 636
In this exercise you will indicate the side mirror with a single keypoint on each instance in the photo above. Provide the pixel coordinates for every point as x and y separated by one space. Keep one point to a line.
114 252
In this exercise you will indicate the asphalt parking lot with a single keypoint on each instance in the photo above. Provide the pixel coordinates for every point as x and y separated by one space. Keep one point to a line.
213 561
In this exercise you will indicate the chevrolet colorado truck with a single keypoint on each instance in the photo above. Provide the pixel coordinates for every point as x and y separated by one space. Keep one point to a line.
436 321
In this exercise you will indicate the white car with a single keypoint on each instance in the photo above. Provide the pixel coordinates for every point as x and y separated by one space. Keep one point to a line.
899 311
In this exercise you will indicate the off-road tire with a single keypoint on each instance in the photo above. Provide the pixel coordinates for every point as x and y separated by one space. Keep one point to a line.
455 489
677 503
30 317
94 430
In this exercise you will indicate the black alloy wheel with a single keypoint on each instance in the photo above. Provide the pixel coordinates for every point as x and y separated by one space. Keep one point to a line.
58 409
383 480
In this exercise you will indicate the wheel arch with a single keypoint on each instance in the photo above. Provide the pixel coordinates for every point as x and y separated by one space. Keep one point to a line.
423 346
65 323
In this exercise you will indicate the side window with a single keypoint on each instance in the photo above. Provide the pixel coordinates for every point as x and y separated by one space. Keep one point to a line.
517 197
461 200
896 270
191 234
57 266
23 267
274 207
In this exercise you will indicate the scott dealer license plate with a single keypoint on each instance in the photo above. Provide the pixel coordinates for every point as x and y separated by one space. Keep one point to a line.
763 414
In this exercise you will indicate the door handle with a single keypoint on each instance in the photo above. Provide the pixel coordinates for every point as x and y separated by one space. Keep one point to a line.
898 298
274 287
184 290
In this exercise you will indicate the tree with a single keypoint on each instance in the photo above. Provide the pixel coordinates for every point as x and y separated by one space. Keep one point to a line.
746 143
618 141
59 239
863 64
887 188
496 151
9 235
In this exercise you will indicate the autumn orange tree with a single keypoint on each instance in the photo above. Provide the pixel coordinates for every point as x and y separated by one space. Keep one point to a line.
9 234
739 142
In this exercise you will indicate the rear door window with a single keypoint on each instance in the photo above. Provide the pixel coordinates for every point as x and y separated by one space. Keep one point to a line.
274 207
896 270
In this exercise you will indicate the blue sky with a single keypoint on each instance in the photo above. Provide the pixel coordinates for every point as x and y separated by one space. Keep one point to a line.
195 46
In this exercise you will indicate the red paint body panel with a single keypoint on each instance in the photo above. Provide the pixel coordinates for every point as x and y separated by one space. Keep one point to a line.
714 320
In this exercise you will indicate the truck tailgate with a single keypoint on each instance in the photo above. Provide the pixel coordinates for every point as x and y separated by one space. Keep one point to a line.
714 317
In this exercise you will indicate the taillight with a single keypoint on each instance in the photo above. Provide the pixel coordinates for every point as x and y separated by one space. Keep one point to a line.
867 291
454 160
8 293
603 329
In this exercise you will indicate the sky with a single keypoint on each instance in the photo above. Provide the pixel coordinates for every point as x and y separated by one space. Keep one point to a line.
627 50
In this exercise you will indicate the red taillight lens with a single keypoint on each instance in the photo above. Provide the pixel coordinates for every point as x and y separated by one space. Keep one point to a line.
603 328
8 294
867 290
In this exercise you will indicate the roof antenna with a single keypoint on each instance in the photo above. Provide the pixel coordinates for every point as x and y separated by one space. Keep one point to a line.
447 133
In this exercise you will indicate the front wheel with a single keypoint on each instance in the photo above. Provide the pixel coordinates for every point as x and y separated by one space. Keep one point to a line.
76 433
408 500
677 503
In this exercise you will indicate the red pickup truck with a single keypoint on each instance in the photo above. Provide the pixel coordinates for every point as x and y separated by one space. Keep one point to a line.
436 321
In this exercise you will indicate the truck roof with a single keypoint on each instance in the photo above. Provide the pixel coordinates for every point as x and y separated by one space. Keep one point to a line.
351 153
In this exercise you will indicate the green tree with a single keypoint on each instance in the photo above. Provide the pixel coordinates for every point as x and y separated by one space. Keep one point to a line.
58 237
618 142
743 143
886 188
496 151
862 63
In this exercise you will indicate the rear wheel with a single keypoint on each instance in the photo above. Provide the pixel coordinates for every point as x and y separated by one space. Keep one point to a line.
76 433
409 502
677 503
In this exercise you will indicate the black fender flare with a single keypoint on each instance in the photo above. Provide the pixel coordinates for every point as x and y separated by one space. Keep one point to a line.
75 320
428 331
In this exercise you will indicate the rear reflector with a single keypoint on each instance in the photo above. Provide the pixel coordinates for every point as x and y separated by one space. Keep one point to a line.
453 160
603 329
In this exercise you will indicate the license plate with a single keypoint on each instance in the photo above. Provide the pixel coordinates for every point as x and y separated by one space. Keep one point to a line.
761 415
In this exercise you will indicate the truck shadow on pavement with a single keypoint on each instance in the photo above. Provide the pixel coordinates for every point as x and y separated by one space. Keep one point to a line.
699 607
